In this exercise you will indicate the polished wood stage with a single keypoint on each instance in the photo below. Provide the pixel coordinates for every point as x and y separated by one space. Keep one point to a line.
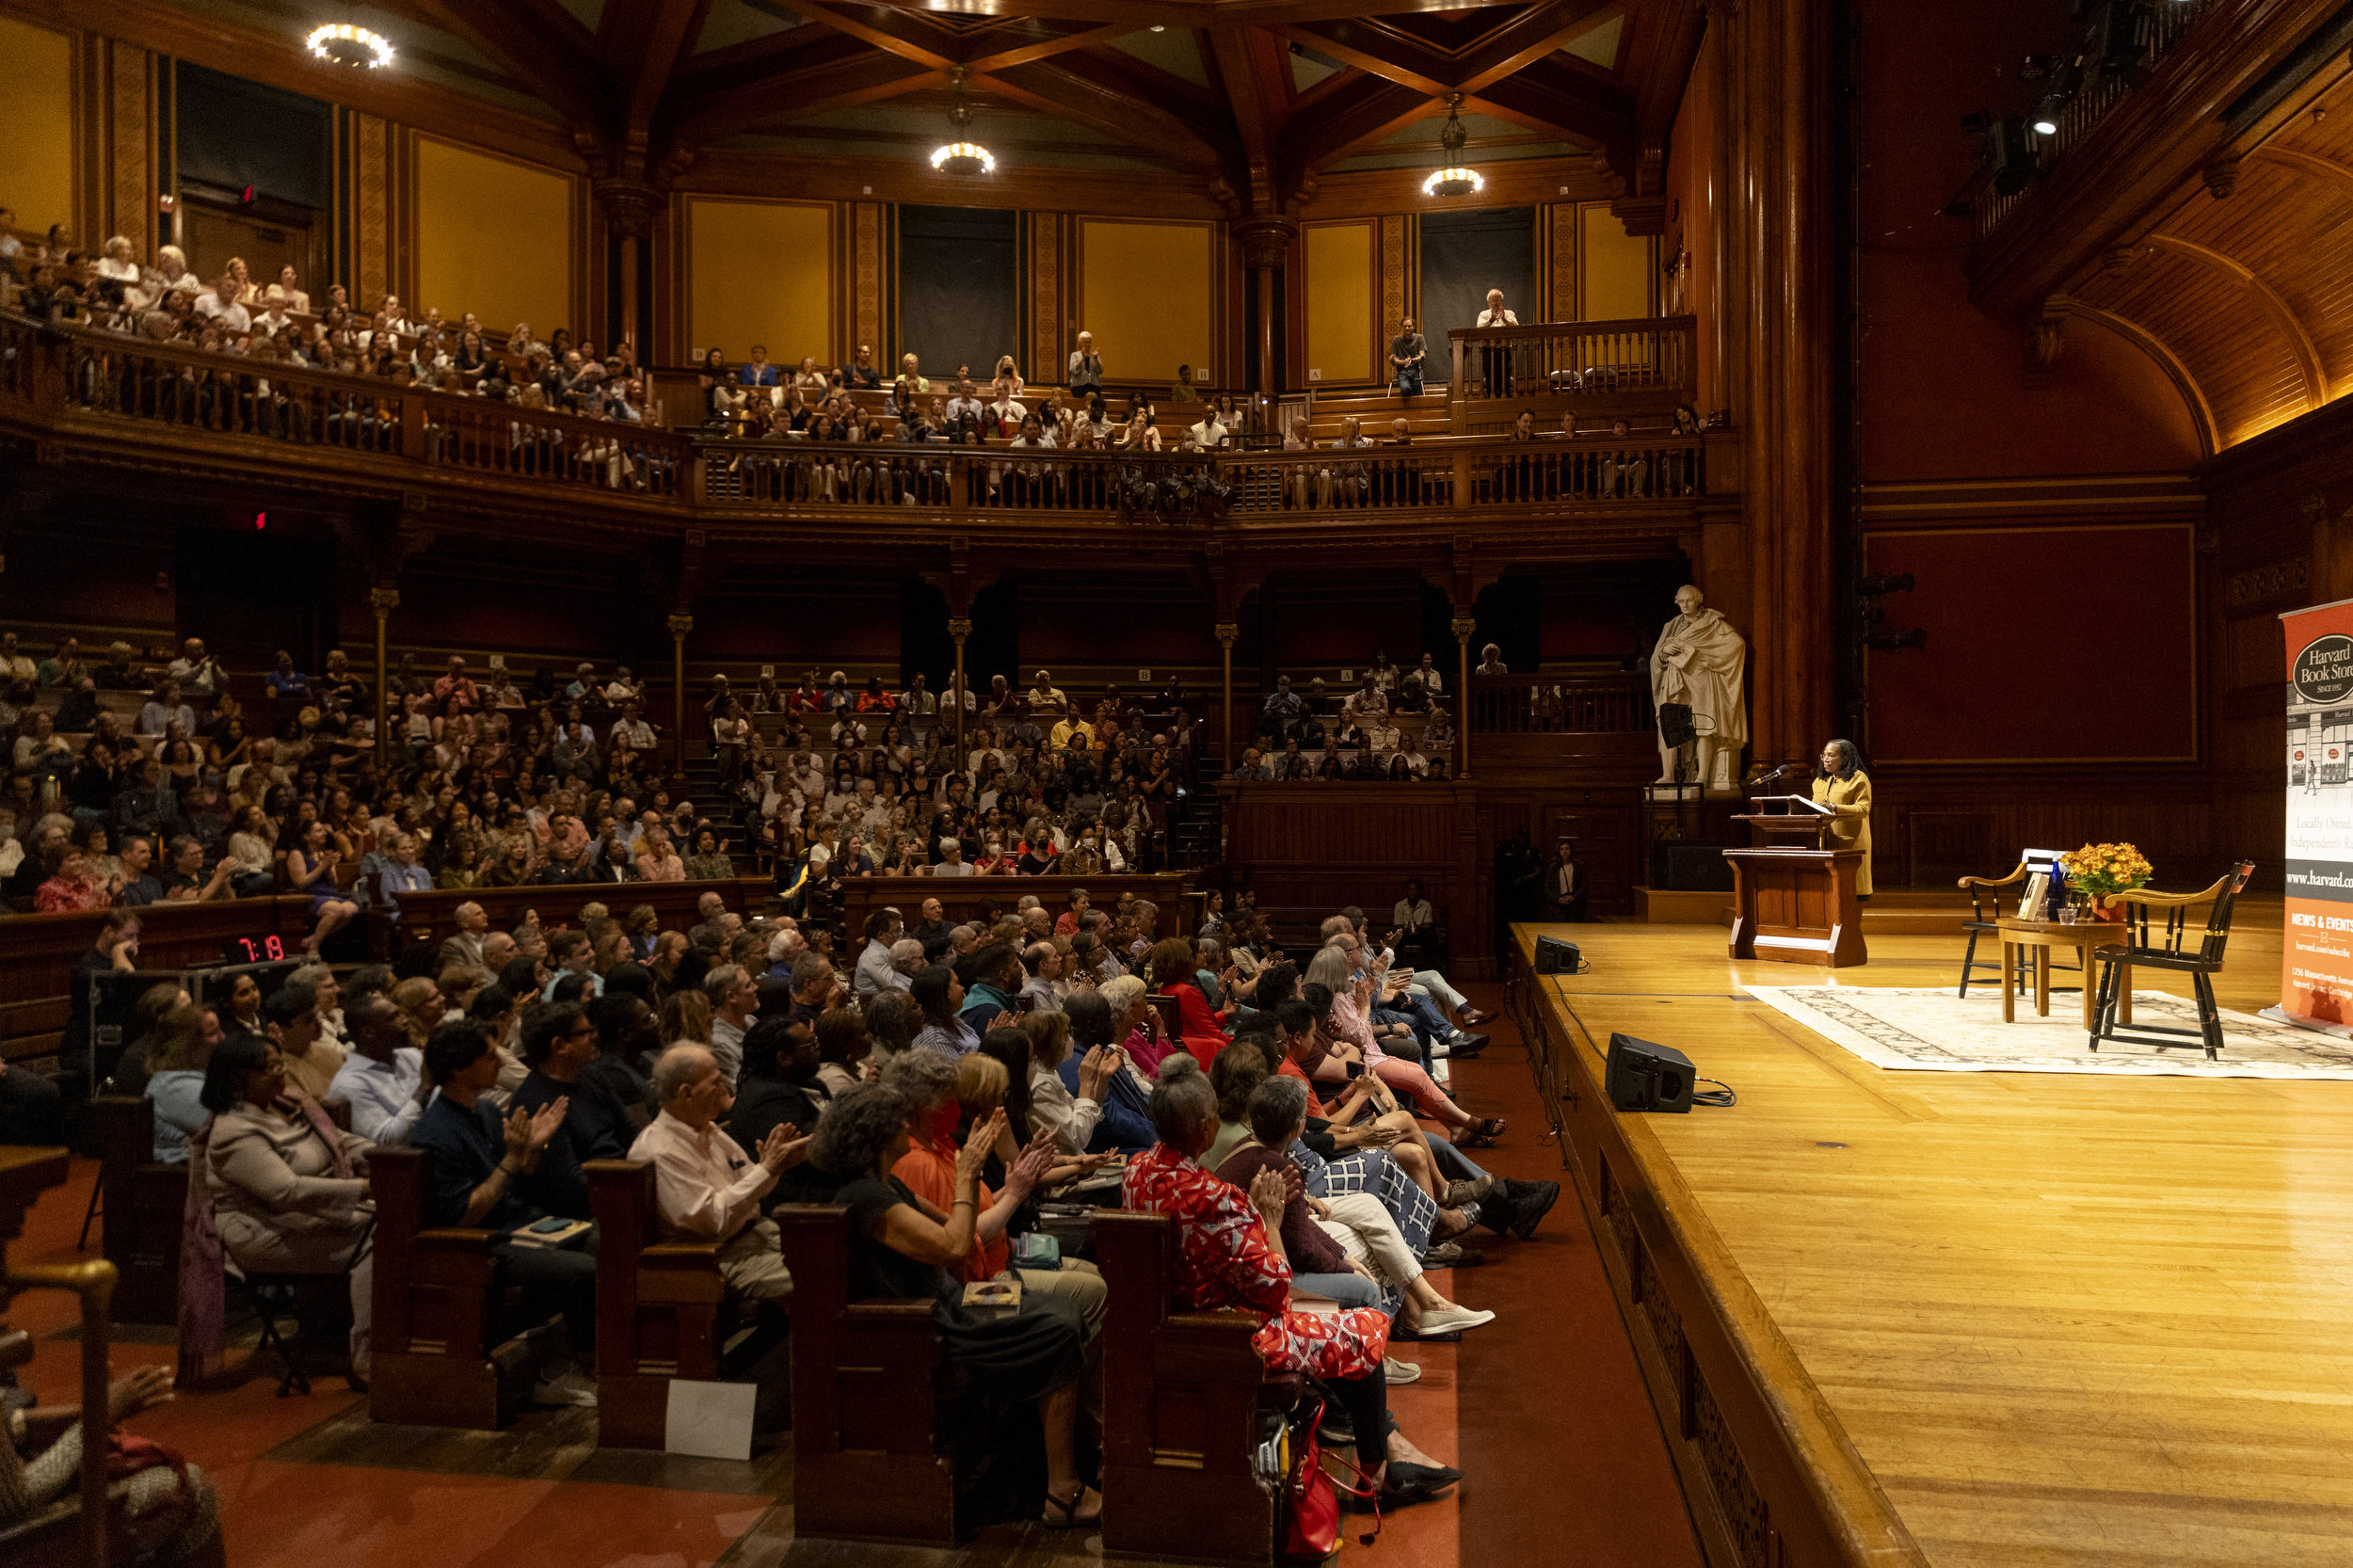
1966 1319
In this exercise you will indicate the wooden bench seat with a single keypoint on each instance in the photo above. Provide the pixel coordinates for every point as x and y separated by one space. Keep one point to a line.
662 1308
441 1357
145 1201
868 1460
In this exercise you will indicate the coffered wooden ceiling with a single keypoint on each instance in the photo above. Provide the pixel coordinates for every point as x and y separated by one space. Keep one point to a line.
1251 99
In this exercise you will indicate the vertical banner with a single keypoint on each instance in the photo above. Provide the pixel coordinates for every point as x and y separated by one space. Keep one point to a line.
2317 950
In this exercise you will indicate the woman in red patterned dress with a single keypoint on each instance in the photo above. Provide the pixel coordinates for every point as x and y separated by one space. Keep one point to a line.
1230 1255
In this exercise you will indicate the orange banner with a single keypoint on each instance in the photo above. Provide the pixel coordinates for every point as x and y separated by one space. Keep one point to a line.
2316 949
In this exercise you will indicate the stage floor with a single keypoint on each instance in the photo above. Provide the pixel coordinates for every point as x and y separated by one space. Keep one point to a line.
2063 1320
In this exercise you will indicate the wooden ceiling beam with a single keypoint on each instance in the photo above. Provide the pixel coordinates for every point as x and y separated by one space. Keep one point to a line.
911 39
1535 33
1066 94
2160 352
645 52
1370 110
1043 49
865 78
552 66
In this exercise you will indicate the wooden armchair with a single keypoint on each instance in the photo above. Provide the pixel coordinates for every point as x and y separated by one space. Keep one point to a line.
144 1203
867 1449
439 1360
1986 897
661 1308
1183 1393
2171 950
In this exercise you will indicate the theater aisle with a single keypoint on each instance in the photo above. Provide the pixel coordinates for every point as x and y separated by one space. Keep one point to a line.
1562 1454
1543 1410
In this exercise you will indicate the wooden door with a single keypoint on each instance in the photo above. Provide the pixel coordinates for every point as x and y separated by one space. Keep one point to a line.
1606 842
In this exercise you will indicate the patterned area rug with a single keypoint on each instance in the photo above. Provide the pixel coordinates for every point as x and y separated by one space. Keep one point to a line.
1916 1030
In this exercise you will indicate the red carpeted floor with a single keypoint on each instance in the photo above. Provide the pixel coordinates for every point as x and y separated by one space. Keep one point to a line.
1543 1410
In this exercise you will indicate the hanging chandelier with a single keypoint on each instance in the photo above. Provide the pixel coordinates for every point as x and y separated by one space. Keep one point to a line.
341 44
1452 177
962 157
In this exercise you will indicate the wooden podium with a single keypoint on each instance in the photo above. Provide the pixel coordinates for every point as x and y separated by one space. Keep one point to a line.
1794 903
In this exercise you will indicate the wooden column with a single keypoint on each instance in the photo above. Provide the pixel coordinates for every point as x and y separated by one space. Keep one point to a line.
630 206
681 624
1465 628
383 600
1780 211
1227 632
959 627
1266 244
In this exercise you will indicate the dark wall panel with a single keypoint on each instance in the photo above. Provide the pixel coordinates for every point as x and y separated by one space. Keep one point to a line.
959 288
234 133
1463 256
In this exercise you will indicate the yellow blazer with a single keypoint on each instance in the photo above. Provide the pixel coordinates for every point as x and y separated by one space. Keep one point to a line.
1851 827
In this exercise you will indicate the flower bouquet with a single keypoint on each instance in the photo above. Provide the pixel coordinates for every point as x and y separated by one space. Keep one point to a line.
2104 870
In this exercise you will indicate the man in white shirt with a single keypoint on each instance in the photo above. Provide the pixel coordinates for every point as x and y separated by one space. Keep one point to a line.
198 671
634 725
1047 697
379 1080
221 306
706 1188
1366 704
1496 357
1206 436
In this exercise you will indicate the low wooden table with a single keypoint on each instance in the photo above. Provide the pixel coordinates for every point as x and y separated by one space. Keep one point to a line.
2084 937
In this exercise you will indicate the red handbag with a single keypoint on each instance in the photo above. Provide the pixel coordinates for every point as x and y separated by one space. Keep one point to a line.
1311 1530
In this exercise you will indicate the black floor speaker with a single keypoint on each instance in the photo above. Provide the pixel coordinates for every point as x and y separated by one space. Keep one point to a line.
1641 1076
1555 956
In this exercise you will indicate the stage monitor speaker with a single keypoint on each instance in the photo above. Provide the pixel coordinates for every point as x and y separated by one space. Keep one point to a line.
1555 956
1641 1076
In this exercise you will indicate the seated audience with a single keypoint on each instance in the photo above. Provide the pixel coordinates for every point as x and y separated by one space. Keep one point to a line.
705 1187
288 1190
902 1246
1231 1254
477 1157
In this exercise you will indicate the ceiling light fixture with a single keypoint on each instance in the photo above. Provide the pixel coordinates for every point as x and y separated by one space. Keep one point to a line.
341 44
1452 177
962 157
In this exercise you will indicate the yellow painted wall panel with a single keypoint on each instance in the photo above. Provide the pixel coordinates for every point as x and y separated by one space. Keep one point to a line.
1619 280
1338 303
494 236
1145 291
37 150
763 272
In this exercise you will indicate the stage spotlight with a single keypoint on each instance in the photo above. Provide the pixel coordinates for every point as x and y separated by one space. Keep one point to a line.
2011 155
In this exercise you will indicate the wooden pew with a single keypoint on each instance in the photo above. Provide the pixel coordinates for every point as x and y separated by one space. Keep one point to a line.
963 896
1182 1396
144 1201
431 916
867 1446
439 1359
661 1308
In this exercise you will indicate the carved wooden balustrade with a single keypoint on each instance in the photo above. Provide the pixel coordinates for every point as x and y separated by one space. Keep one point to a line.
1606 364
102 398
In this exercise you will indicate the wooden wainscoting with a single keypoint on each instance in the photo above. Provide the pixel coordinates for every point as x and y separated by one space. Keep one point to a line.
1329 844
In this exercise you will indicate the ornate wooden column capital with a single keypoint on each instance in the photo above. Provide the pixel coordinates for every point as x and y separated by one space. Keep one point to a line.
629 205
959 627
681 624
383 600
1228 632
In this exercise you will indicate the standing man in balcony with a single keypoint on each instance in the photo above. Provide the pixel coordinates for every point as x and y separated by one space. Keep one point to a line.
1406 353
1496 357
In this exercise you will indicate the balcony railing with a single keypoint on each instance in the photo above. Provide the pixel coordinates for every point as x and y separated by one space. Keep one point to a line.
1179 487
1648 359
107 390
2154 33
1560 705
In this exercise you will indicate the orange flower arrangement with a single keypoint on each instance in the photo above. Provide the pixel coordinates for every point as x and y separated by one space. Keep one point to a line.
2103 869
